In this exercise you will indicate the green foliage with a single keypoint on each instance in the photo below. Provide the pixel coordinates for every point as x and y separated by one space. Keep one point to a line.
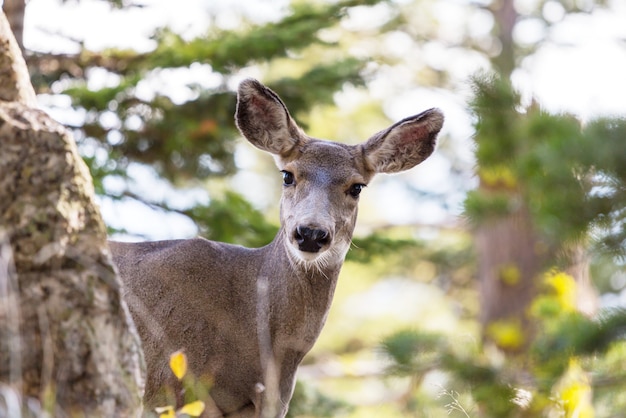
327 78
407 349
497 133
133 120
577 334
416 352
233 219
495 385
570 177
227 51
567 176
308 402
481 206
606 156
378 245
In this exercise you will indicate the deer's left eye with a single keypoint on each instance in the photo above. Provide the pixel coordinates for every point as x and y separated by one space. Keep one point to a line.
355 190
288 178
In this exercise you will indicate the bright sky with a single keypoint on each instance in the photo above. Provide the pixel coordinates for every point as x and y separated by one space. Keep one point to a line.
93 20
581 69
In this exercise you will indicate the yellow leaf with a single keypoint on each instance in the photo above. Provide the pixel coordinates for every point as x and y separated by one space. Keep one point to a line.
506 334
564 287
510 274
193 409
178 364
165 412
575 392
498 176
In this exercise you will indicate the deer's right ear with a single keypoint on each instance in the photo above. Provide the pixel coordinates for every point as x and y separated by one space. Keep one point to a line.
404 144
264 119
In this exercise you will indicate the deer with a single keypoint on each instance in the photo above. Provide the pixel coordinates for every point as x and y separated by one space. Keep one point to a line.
246 317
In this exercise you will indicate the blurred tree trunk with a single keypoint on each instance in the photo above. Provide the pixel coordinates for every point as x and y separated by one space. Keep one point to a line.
14 11
505 17
510 250
509 264
67 344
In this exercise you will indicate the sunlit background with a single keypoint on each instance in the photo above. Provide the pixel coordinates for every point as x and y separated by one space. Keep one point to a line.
417 54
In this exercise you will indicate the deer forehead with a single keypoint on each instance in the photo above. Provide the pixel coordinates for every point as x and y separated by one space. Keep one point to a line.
327 162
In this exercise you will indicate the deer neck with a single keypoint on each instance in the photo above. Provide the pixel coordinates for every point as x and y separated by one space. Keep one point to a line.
297 295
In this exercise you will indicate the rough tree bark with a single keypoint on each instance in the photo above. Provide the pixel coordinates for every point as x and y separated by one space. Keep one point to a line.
67 344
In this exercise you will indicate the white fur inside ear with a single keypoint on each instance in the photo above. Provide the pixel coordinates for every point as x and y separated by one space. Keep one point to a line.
264 120
405 144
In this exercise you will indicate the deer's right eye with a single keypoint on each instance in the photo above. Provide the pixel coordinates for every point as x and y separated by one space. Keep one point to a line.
355 190
288 178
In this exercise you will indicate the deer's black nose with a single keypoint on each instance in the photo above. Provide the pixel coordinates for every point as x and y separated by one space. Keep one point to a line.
311 240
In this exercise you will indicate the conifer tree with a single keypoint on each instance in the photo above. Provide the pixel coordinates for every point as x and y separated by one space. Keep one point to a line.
187 142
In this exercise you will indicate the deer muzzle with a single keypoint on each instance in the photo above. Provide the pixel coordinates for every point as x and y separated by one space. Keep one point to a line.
311 240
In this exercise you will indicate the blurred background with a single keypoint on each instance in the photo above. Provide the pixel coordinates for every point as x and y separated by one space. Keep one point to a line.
487 282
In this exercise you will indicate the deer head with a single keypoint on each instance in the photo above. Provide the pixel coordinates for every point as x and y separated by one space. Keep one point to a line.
323 179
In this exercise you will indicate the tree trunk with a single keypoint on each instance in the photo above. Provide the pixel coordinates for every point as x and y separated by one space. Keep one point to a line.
505 17
511 253
67 344
510 261
14 11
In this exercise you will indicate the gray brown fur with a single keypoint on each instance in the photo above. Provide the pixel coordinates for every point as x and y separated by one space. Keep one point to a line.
246 317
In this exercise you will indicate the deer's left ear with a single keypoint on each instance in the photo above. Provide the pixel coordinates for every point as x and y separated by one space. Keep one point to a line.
404 144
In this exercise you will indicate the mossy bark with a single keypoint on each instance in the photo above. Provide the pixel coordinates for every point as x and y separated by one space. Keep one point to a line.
67 344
